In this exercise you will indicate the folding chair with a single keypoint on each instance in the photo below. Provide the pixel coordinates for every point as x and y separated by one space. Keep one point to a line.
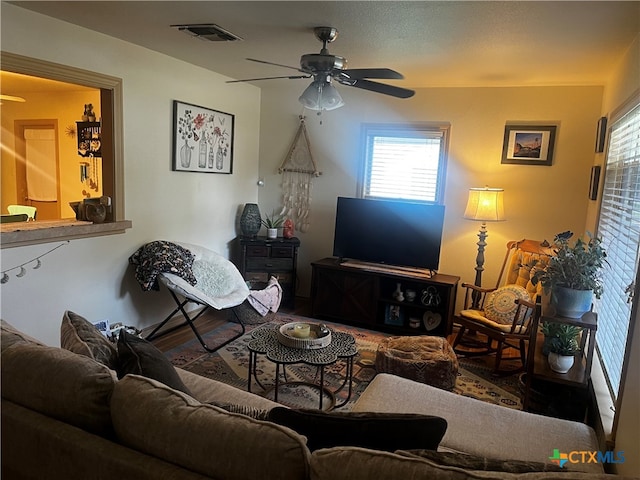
219 285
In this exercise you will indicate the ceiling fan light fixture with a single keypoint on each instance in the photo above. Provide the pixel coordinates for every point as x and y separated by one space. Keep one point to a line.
321 95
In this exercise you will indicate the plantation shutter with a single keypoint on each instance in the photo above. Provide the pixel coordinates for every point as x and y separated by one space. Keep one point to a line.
619 228
404 165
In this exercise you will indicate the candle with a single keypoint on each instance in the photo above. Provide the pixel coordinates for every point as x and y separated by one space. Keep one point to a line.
301 330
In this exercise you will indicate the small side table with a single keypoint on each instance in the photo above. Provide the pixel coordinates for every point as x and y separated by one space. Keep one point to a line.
258 258
265 342
537 364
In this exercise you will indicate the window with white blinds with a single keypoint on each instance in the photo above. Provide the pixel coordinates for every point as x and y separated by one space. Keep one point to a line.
619 228
405 163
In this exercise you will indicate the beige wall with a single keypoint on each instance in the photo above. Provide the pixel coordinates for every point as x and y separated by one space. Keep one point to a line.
539 201
92 276
66 108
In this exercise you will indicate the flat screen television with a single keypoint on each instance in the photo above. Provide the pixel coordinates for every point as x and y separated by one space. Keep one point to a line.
388 232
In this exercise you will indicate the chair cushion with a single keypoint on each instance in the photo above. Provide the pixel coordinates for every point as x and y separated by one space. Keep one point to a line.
500 305
139 357
79 336
203 291
378 431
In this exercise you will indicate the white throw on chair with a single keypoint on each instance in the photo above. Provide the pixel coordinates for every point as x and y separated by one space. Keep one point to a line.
219 285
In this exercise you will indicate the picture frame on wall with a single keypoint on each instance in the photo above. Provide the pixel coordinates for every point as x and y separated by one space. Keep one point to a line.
601 134
594 182
529 144
202 139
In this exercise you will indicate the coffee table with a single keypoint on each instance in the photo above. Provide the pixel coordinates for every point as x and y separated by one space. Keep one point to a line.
265 342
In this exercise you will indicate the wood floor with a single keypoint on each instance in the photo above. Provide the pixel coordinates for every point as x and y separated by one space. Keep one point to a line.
209 320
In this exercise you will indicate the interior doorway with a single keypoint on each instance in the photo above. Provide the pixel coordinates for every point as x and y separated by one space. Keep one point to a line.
38 166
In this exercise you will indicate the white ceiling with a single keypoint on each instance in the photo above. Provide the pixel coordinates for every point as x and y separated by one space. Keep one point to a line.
446 43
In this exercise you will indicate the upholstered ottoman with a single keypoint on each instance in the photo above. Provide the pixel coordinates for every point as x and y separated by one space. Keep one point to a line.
426 359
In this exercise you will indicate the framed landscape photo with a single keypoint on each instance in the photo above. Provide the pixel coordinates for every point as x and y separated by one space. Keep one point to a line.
529 145
202 139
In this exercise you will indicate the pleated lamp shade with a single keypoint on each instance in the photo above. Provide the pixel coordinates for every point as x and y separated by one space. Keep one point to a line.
485 204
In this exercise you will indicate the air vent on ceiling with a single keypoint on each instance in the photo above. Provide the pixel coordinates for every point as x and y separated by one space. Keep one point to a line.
208 31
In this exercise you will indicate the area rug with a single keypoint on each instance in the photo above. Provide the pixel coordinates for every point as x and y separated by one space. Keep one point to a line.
230 365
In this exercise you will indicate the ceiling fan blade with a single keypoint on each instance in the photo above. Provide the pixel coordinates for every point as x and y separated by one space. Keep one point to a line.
360 73
381 88
276 64
290 77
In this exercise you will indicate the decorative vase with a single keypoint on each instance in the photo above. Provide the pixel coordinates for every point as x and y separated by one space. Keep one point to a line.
219 158
250 220
571 303
211 157
272 233
185 155
560 363
287 228
202 157
398 295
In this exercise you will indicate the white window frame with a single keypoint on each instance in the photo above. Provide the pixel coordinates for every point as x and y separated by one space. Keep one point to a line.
427 131
613 306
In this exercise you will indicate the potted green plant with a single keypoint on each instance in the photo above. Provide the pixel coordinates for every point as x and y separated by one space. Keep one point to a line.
563 346
272 223
573 274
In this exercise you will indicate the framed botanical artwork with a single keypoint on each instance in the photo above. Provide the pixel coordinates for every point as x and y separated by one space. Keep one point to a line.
202 139
529 145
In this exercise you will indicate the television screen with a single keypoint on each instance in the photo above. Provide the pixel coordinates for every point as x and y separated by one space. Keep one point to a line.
389 232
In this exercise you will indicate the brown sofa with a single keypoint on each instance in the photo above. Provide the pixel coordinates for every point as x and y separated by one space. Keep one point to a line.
67 416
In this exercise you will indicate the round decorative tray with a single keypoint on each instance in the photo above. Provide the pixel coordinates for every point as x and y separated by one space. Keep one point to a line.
307 336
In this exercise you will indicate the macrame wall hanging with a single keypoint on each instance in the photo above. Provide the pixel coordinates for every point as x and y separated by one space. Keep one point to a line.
298 169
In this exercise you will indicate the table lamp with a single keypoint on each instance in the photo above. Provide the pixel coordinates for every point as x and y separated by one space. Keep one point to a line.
484 205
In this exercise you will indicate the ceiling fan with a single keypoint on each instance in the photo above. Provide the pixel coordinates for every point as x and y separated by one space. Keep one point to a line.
325 67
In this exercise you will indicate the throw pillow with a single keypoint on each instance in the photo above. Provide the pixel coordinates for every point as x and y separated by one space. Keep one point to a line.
79 336
140 357
500 305
378 431
253 412
474 462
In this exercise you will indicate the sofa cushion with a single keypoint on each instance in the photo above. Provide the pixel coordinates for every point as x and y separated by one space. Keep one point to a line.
380 431
355 463
204 438
481 428
9 335
140 357
474 462
58 383
80 336
207 390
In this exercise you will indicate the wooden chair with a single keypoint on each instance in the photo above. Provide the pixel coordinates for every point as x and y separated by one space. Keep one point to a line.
504 313
30 211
